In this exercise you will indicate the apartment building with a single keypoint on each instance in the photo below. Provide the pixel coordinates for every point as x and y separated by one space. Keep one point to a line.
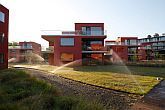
19 51
4 22
154 46
124 49
85 44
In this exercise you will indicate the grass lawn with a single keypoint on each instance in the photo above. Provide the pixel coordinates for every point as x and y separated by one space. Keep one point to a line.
19 91
138 80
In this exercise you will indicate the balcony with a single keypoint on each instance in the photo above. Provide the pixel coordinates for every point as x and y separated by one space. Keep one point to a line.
50 49
73 33
94 49
20 47
14 47
26 47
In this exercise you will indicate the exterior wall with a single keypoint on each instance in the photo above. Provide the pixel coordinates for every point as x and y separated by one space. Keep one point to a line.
120 53
154 47
78 26
4 29
14 53
142 54
51 59
35 47
124 50
75 50
122 39
79 41
19 53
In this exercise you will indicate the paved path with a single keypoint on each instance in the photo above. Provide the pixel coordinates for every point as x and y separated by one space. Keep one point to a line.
154 100
112 100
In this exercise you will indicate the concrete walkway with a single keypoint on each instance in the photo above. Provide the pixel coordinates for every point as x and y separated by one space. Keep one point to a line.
154 100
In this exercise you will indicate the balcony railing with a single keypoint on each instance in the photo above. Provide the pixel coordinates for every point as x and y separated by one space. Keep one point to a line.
122 43
88 49
50 49
20 47
26 47
73 33
14 47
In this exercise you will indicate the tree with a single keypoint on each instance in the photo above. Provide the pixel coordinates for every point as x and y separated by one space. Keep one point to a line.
10 44
163 34
149 36
156 35
15 44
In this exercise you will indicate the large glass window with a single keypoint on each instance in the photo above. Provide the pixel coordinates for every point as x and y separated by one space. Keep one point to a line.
1 58
130 42
92 31
67 57
96 31
162 38
27 46
67 41
2 17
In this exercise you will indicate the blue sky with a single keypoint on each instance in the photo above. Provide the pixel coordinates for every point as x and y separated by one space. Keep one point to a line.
121 17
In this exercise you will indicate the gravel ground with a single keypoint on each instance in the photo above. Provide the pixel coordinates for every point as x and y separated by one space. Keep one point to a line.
112 100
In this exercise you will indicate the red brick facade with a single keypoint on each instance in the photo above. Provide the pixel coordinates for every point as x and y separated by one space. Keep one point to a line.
4 22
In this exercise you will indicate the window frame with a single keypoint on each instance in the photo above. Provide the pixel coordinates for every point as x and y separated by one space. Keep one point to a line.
67 45
3 17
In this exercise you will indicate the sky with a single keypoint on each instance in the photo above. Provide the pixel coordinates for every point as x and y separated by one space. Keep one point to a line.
137 18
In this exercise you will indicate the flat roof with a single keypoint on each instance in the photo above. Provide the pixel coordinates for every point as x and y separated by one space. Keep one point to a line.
51 38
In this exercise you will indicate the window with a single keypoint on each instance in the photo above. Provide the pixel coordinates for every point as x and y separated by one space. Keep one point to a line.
67 41
130 42
2 37
2 17
96 31
27 46
1 58
92 31
67 57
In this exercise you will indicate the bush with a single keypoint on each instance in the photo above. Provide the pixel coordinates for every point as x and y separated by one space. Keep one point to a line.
19 91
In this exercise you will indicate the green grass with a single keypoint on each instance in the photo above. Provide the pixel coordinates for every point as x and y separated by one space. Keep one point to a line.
132 79
19 91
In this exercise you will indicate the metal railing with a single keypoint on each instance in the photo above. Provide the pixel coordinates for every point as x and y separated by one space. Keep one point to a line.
20 47
74 33
90 48
50 49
